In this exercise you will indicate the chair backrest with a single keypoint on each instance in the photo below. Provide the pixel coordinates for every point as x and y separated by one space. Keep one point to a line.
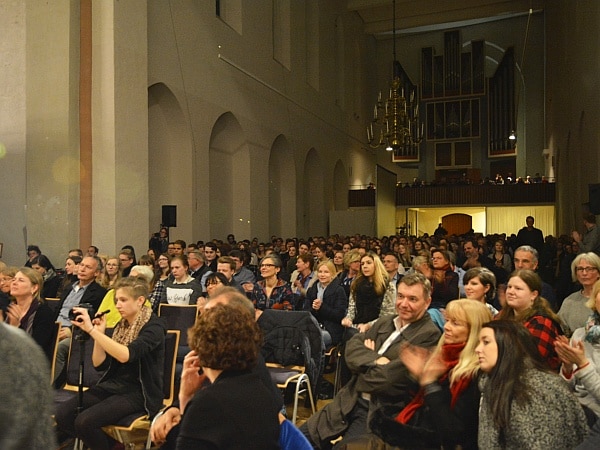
57 327
91 376
171 344
293 338
178 317
52 303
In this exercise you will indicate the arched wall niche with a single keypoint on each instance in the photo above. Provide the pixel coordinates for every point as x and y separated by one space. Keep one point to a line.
229 203
340 187
282 189
315 213
169 154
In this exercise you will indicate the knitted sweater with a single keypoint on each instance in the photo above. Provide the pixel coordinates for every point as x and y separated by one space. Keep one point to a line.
552 419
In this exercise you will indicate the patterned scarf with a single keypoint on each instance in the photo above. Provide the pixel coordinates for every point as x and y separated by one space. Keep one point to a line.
592 329
450 356
125 333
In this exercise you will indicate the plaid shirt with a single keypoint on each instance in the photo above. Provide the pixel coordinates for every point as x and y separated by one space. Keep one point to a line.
156 294
544 331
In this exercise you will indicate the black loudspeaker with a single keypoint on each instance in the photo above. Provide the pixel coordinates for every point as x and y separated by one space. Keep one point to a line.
169 215
594 195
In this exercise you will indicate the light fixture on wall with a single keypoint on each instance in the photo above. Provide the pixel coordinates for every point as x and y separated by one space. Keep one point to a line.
512 136
395 125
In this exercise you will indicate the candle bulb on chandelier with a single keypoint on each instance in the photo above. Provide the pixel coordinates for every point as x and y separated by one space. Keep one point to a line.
375 112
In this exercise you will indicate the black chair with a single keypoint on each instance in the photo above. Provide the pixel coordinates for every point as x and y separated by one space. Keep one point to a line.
136 428
179 317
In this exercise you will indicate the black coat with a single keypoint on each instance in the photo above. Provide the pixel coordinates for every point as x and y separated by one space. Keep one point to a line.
333 309
236 411
94 294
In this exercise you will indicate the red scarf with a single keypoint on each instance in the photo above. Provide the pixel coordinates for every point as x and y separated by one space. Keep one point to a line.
450 355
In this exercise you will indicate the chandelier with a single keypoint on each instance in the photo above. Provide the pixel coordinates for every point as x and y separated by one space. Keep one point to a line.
395 125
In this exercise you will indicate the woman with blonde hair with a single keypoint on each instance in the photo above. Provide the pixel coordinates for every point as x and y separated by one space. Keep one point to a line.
28 311
444 413
132 361
371 295
111 272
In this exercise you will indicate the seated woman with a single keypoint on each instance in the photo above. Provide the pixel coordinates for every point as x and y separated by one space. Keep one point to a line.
7 274
183 289
581 366
111 272
371 295
71 269
351 269
480 285
327 301
523 405
52 281
271 292
524 305
214 281
236 410
113 317
29 312
444 280
444 413
133 359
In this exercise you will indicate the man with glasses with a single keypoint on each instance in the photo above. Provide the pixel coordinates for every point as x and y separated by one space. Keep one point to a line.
127 262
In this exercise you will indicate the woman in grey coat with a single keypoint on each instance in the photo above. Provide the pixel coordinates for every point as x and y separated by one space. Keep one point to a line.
523 405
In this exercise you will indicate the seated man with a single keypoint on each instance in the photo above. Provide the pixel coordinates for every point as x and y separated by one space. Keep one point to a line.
378 375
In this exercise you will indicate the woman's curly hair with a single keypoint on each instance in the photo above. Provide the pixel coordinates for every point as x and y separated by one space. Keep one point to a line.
226 337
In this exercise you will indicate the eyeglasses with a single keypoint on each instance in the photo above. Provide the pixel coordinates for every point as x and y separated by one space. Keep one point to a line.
586 269
267 265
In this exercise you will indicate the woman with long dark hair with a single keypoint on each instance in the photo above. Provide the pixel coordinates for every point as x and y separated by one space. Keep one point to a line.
52 281
523 405
444 281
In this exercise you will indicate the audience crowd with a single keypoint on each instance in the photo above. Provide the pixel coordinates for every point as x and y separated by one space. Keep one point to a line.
418 365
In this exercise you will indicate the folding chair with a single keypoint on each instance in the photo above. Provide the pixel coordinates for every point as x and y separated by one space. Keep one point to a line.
54 351
179 317
293 349
135 428
52 303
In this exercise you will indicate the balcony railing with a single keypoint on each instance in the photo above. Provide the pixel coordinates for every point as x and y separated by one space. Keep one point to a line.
447 195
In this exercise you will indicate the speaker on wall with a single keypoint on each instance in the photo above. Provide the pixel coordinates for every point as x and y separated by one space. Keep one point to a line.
594 196
169 215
